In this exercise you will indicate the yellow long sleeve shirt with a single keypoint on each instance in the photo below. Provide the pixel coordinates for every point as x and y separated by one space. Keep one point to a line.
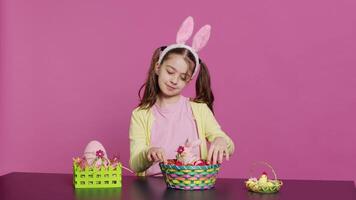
140 133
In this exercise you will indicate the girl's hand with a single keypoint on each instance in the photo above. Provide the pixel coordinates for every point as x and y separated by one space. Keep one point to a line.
156 154
217 150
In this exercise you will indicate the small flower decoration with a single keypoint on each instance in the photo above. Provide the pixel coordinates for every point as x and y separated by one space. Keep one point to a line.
180 149
100 154
82 163
115 159
76 159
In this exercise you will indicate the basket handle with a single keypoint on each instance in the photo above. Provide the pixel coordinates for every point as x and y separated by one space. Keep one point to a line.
263 163
127 169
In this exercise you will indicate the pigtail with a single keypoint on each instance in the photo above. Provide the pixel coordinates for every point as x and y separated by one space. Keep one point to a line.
151 85
204 93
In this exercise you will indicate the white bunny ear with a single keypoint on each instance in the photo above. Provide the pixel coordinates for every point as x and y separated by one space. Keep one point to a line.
190 143
196 143
201 38
185 30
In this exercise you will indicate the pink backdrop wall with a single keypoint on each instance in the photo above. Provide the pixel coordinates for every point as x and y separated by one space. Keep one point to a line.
283 73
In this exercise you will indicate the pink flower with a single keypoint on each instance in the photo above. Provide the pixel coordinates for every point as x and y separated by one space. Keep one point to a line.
100 153
180 149
83 163
114 161
115 158
76 159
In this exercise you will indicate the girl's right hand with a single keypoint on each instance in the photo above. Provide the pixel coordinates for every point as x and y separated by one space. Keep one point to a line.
156 154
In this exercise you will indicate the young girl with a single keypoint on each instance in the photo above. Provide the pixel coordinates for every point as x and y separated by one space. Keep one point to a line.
165 118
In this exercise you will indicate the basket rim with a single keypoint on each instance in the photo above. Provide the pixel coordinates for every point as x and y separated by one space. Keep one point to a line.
94 168
273 189
161 164
278 182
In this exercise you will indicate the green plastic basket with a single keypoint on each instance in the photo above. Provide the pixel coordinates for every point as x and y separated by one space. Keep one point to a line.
92 177
190 177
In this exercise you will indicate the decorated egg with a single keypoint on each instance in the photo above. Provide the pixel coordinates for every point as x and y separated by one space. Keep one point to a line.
93 151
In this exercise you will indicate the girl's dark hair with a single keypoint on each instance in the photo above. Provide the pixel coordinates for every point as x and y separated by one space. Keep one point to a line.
203 91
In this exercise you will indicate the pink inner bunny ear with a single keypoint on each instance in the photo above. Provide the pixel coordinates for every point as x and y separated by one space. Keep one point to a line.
187 142
185 30
201 38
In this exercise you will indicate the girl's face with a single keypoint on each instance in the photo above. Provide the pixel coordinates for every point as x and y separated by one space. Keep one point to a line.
173 75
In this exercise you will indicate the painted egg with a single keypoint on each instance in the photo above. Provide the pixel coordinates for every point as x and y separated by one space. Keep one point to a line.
91 150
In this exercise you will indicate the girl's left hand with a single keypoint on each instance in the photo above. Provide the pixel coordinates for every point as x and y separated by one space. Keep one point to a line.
218 149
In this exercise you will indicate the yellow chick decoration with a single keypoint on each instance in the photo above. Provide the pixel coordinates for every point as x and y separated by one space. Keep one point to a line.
263 178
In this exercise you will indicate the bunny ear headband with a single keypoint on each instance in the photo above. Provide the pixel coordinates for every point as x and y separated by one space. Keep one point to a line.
199 41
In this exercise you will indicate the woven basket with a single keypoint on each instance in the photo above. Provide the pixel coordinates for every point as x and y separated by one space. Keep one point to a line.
92 177
274 185
190 177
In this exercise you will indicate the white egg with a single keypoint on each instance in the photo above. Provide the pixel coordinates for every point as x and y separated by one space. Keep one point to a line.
91 149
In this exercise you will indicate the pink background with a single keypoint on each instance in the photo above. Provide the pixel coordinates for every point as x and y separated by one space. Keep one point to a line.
283 72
